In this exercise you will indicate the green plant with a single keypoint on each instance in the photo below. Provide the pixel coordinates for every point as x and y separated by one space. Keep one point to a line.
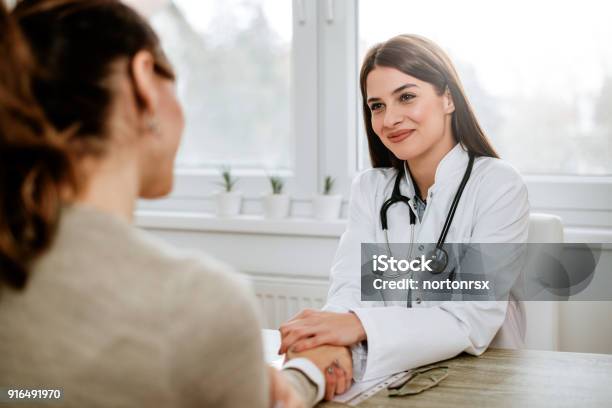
277 184
228 181
328 185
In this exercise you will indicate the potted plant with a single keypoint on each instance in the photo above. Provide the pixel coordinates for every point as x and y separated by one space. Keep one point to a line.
326 206
228 201
276 204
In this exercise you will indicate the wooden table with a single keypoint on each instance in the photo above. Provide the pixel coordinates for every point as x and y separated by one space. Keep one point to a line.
513 378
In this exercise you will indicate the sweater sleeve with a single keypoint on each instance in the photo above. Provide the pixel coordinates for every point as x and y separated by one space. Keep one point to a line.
306 379
215 353
302 384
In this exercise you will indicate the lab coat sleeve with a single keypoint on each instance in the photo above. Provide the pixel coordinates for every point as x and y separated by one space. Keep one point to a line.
401 338
345 285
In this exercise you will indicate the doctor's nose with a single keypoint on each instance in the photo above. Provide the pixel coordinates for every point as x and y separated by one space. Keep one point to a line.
393 117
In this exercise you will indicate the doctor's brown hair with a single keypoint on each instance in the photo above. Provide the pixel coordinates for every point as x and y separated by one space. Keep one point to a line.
54 104
421 58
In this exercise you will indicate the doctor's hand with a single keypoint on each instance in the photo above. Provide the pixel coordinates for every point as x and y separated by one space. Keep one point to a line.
336 364
311 328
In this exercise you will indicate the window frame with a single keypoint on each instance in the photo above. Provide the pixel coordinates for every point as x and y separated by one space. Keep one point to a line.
195 188
324 74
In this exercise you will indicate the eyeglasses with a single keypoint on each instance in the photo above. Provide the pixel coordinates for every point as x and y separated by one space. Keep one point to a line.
421 379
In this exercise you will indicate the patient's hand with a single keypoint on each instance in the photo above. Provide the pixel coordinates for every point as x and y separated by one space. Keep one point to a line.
336 364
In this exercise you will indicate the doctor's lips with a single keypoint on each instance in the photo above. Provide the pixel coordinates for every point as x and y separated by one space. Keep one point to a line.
399 135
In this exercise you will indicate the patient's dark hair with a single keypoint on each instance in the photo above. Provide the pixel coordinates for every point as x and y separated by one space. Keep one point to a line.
54 105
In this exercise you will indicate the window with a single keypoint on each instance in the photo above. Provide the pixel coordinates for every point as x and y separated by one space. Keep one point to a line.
271 86
538 73
250 98
233 60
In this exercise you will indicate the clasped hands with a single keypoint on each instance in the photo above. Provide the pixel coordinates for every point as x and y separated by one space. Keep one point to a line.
325 339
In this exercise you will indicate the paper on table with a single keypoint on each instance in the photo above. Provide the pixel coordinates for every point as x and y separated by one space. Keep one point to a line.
357 388
271 343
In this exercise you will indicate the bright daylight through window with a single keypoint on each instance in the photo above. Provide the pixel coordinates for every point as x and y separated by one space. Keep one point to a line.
233 61
539 73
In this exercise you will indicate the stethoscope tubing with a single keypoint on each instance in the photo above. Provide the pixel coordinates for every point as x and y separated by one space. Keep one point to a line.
397 197
455 203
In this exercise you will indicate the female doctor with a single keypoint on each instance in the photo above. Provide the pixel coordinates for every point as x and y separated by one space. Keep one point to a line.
422 134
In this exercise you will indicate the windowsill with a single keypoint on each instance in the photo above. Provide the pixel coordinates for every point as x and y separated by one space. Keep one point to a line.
294 226
243 224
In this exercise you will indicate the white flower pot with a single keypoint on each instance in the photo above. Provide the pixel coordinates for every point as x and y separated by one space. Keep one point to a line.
228 203
276 206
327 207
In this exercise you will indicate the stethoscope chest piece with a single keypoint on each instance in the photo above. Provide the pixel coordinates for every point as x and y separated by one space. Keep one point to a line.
438 258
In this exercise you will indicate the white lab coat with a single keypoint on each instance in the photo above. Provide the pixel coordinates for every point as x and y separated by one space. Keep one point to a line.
494 208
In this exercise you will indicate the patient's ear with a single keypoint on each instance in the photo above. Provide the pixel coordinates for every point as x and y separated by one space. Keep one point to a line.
143 77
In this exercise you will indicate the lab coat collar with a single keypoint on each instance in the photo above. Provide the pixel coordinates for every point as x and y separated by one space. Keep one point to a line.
454 161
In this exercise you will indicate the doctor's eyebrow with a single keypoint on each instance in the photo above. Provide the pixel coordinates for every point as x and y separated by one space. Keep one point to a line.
400 89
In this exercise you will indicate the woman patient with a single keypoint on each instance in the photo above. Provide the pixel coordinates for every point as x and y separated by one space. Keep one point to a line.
89 122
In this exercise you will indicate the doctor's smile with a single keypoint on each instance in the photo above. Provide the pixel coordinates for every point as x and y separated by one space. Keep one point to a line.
400 135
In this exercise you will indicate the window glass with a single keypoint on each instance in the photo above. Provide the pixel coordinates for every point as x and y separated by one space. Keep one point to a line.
538 73
233 61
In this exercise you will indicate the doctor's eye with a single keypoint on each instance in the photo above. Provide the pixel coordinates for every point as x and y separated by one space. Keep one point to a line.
406 97
376 106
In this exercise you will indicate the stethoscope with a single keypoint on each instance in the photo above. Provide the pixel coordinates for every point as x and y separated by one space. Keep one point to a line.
438 255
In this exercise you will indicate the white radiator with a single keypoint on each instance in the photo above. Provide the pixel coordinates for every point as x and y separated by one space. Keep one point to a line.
281 298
